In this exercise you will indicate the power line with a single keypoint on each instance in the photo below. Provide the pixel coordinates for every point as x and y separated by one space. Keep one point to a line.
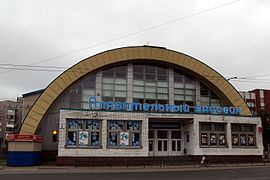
133 33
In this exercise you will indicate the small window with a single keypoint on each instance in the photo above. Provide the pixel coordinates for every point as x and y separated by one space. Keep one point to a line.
83 133
124 134
243 135
212 134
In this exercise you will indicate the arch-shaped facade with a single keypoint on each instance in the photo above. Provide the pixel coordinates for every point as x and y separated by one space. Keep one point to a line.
128 54
144 101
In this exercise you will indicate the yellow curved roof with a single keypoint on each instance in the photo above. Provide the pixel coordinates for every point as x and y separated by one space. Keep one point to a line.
206 74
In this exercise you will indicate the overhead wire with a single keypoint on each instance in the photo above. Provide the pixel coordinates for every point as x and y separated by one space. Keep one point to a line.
132 33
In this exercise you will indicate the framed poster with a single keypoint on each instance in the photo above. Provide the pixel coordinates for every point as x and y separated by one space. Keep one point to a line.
213 139
221 139
124 138
83 138
95 139
251 141
204 139
235 140
243 140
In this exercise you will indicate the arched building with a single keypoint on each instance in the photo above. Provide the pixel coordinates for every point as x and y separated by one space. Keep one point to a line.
141 102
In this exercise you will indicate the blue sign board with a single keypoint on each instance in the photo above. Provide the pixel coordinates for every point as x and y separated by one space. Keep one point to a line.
184 108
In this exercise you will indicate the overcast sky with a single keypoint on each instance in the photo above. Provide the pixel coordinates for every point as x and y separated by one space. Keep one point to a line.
233 39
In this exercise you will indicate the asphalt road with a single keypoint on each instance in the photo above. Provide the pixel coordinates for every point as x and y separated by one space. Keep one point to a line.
251 173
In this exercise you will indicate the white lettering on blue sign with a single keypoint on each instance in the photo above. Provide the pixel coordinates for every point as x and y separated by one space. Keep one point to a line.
184 108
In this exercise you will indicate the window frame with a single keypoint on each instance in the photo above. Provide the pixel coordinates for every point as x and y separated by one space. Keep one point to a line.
243 133
125 130
89 141
210 133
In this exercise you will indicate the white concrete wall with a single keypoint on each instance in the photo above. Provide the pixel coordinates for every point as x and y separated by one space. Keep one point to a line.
190 126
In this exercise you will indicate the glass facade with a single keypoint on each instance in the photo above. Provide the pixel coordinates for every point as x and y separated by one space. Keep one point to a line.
114 84
150 84
146 83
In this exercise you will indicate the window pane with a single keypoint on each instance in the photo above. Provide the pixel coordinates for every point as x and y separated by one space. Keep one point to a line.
113 139
221 139
243 140
138 88
176 134
120 74
83 138
133 125
251 140
236 127
121 87
162 84
179 91
205 127
163 96
162 90
74 124
138 95
116 125
150 84
72 138
189 98
190 92
219 127
120 81
108 86
95 139
137 76
124 139
90 92
107 93
93 124
162 134
120 93
150 89
178 85
190 86
248 128
213 139
89 82
135 139
179 97
150 95
138 68
150 77
108 80
137 82
235 139
151 134
205 99
108 73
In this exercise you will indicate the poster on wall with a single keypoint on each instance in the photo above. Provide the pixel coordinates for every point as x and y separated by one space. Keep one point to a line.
213 139
204 139
251 141
235 140
243 140
83 138
221 139
124 137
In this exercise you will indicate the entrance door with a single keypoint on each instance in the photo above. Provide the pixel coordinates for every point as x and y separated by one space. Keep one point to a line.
175 139
164 142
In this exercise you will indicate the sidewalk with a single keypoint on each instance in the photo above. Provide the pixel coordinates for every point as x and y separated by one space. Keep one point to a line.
71 169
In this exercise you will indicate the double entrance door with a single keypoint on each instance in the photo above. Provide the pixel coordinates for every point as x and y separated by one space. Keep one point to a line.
164 142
